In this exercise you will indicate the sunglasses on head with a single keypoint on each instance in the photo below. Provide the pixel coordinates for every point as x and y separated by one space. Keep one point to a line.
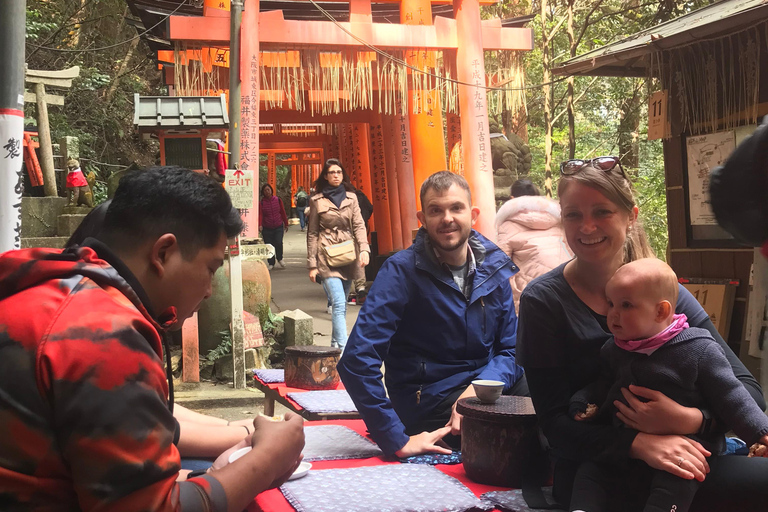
602 163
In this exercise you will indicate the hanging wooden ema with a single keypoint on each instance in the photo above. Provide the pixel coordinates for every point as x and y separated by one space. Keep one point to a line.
658 125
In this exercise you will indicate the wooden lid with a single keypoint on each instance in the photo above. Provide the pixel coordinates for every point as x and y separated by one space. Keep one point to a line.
312 351
506 408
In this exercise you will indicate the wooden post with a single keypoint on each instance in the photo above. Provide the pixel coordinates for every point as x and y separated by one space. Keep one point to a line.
46 147
361 157
190 350
405 179
272 171
380 191
249 74
475 136
390 157
424 113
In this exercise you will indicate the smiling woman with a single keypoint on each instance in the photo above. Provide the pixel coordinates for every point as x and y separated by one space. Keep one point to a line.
562 326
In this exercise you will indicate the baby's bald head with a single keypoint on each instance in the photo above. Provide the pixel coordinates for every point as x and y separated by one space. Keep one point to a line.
651 277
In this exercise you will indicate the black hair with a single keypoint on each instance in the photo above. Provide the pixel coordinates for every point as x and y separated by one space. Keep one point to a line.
159 200
90 226
524 187
261 190
442 181
321 182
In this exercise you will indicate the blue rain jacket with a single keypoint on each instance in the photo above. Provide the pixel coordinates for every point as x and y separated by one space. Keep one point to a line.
431 338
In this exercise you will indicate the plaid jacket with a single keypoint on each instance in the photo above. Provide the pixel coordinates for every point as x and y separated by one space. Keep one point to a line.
84 419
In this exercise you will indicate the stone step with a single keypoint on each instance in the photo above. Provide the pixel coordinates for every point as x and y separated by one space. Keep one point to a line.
56 242
68 223
38 216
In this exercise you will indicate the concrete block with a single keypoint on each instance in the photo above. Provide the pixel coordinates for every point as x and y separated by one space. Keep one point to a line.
55 242
67 224
298 328
39 214
256 358
76 210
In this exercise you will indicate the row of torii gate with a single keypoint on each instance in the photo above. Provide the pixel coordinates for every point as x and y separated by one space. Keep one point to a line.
388 151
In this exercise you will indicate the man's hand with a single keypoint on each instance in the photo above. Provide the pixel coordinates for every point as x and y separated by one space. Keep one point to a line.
426 442
455 421
282 442
364 258
313 274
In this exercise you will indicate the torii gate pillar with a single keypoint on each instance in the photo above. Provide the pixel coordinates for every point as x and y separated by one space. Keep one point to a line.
475 135
426 126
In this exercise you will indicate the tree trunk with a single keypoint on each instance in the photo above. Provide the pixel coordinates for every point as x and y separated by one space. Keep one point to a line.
123 66
629 127
548 100
571 79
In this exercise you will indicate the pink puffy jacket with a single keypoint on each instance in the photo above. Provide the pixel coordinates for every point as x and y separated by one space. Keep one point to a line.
528 229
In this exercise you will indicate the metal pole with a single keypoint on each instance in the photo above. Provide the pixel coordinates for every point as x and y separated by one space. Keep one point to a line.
12 28
235 266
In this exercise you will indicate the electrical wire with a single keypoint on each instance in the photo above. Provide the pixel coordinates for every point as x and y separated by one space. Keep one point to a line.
413 68
88 50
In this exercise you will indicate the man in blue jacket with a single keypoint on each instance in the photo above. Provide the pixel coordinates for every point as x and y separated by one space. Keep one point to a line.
439 315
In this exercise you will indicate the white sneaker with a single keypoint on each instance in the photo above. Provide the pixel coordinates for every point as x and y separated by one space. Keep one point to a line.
282 265
271 267
329 309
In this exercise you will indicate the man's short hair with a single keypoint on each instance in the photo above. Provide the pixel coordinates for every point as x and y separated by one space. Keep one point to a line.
442 181
159 200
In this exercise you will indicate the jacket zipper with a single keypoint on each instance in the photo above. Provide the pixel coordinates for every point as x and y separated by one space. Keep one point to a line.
421 385
482 304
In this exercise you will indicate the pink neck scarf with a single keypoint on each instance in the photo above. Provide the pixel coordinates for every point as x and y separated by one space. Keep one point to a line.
649 345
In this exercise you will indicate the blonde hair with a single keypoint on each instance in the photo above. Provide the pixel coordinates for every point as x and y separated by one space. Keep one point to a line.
617 189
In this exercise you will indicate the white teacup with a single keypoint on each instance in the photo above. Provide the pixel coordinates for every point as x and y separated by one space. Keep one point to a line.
488 391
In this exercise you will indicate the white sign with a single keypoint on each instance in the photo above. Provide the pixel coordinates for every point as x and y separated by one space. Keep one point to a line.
11 182
257 251
705 152
239 183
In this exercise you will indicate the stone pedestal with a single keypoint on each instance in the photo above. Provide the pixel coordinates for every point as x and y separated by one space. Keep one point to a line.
299 328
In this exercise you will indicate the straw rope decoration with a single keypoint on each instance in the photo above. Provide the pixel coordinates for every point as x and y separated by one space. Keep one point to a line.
714 94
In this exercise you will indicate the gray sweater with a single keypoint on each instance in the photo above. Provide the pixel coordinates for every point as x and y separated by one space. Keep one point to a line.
692 370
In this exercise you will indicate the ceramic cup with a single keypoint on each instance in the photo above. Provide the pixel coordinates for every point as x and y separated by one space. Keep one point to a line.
488 391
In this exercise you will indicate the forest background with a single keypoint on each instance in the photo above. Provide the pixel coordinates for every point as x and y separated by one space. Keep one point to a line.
581 117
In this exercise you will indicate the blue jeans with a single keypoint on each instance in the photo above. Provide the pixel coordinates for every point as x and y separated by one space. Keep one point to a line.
302 217
337 290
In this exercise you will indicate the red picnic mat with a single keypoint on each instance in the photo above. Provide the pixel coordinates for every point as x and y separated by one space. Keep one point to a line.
274 501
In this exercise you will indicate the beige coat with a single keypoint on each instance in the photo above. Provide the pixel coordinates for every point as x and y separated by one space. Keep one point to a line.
329 225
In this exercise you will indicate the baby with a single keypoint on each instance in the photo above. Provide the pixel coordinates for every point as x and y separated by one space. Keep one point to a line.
655 348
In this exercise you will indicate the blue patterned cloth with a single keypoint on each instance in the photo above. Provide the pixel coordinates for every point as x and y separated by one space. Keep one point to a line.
390 488
513 501
433 459
335 442
332 400
270 376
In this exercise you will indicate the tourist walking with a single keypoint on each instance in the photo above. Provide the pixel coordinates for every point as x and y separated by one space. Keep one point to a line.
273 223
337 247
301 200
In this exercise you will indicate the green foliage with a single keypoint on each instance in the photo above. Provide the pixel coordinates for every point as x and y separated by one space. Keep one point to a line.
224 348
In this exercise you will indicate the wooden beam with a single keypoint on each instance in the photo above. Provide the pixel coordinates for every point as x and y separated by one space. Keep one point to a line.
275 31
293 116
68 73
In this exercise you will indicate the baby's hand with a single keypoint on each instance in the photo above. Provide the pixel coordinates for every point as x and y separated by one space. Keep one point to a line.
589 413
760 448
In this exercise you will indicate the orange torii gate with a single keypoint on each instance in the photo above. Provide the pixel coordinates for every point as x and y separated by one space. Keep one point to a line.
466 37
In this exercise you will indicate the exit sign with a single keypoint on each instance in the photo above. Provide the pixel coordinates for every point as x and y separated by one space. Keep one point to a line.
239 183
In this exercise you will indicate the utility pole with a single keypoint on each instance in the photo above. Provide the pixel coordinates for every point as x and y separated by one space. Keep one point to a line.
13 16
235 266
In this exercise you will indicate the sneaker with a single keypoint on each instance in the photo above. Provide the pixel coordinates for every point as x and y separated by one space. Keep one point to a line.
352 301
271 267
282 265
329 310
